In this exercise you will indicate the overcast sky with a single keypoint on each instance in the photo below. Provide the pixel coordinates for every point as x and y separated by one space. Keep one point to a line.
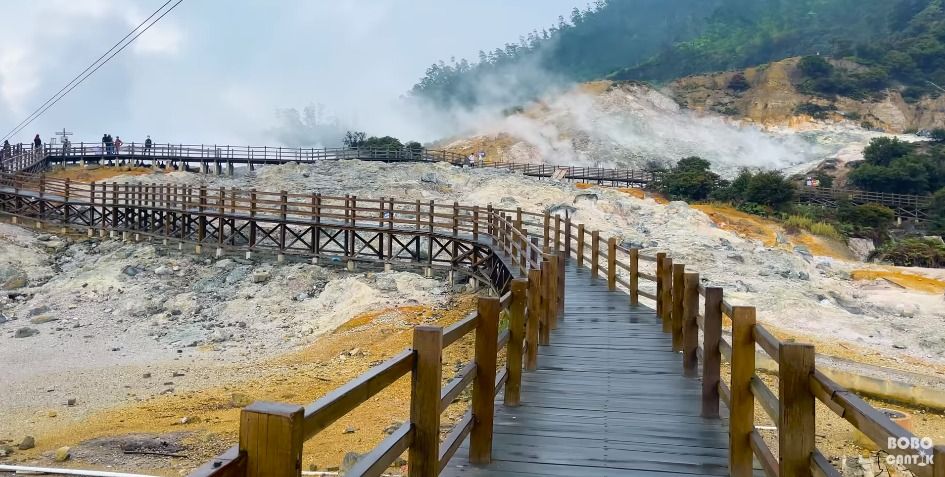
216 71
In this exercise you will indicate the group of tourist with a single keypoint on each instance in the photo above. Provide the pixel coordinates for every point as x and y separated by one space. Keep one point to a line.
113 146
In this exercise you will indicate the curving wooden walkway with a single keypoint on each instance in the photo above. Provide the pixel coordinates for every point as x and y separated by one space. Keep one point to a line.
608 399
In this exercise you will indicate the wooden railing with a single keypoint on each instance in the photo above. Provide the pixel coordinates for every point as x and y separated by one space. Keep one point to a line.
531 289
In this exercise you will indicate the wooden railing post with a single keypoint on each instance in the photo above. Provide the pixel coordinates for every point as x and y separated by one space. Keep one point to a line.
711 354
483 398
796 429
546 235
634 276
660 258
567 238
534 311
742 416
544 338
678 300
560 271
612 263
558 246
667 296
690 325
423 458
580 246
513 385
271 437
595 253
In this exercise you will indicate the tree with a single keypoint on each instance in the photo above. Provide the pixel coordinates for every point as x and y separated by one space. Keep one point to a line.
873 216
739 83
770 188
354 139
690 180
815 67
883 150
938 213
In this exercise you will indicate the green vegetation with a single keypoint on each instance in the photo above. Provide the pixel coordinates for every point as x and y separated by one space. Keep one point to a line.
913 252
355 139
796 223
895 166
690 180
887 42
938 213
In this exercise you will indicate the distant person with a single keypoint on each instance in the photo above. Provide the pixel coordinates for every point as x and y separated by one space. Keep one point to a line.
66 146
118 144
147 145
6 149
37 143
482 158
472 160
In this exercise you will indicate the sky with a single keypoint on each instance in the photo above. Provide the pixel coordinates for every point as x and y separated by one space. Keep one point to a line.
215 71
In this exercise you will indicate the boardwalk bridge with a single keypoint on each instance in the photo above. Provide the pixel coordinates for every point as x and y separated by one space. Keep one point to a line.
614 360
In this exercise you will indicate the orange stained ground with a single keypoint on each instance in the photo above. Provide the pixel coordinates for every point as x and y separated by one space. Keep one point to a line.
301 378
903 279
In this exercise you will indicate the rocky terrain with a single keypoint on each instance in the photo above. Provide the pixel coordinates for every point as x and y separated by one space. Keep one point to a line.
630 125
93 324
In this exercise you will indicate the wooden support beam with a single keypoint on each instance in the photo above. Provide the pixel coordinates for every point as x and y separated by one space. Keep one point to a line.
660 258
595 254
544 338
678 299
667 296
796 429
513 385
533 312
424 454
742 416
690 325
483 398
271 437
612 264
711 354
580 245
634 276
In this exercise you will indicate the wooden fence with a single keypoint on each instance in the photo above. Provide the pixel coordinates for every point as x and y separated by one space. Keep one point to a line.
527 274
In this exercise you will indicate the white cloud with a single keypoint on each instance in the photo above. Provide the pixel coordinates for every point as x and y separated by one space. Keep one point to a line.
19 77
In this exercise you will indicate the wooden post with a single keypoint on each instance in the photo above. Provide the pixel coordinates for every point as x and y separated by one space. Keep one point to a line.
552 292
271 437
513 385
580 246
690 325
612 263
567 238
560 271
595 253
711 355
678 299
534 311
547 233
544 338
424 454
483 411
796 429
558 246
634 276
667 296
742 416
660 258
518 218
938 461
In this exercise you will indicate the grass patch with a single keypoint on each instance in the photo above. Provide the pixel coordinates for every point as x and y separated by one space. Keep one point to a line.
796 223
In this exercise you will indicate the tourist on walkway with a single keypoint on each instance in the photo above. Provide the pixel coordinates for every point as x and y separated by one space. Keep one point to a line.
118 144
147 145
6 149
37 143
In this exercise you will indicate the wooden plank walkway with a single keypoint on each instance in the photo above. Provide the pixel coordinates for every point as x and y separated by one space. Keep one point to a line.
608 399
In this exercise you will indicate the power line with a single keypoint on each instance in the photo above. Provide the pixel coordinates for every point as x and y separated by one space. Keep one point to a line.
79 79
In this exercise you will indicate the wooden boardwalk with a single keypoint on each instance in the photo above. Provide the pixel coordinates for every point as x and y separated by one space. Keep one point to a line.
608 399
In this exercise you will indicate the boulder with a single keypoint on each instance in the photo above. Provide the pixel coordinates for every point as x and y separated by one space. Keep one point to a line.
348 463
62 454
39 310
260 276
43 319
130 271
861 248
15 282
25 332
27 443
162 271
563 210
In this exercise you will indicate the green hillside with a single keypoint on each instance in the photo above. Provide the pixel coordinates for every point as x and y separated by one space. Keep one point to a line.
899 42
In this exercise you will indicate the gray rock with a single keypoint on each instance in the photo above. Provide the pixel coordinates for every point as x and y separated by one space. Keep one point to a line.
25 332
782 240
350 430
43 319
737 258
429 178
260 276
225 263
802 275
220 336
15 282
386 284
586 196
39 310
131 271
861 248
27 443
803 250
62 454
5 450
900 346
162 271
561 209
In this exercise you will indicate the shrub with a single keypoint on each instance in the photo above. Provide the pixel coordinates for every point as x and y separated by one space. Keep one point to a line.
913 252
769 188
690 180
824 229
938 213
739 83
874 216
796 223
815 111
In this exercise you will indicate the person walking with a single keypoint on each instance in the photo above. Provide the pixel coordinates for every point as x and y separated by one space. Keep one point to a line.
37 143
147 145
6 150
118 144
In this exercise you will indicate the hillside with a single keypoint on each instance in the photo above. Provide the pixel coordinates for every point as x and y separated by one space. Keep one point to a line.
898 44
772 95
